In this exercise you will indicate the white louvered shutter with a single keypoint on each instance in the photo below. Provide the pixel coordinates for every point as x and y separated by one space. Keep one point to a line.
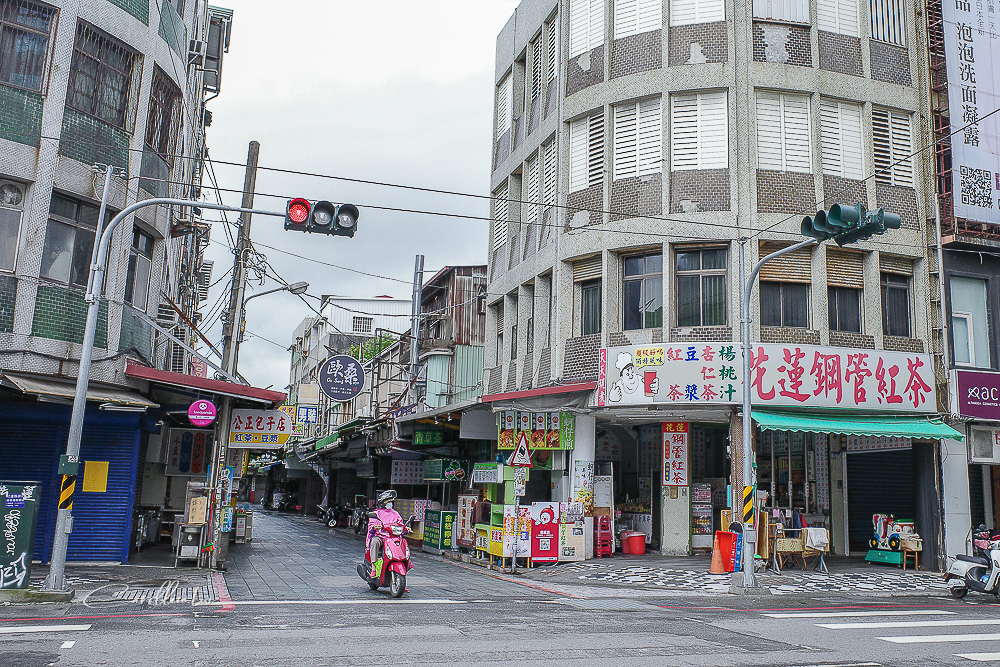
549 174
649 142
902 146
505 93
500 209
625 153
683 132
637 16
586 25
839 16
887 21
530 215
782 10
536 67
595 150
840 138
625 17
769 143
797 135
551 41
699 131
783 134
686 12
578 154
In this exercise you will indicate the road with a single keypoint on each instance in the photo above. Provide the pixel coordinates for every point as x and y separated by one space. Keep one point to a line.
316 611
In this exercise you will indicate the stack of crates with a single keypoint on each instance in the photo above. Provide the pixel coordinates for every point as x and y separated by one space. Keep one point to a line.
604 538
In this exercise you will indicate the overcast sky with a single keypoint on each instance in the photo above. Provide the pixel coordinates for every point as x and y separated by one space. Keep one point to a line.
395 91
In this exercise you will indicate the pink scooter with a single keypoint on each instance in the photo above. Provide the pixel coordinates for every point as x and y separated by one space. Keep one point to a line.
387 554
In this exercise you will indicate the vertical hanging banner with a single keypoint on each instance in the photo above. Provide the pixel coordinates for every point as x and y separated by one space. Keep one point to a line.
18 515
971 47
675 453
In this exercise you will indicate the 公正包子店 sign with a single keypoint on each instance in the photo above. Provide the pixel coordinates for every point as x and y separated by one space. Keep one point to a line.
780 375
259 429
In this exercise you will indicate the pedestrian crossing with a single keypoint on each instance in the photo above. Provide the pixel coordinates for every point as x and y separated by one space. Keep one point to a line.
910 624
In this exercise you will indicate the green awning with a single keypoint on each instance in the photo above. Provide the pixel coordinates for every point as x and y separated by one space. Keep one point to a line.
335 435
911 427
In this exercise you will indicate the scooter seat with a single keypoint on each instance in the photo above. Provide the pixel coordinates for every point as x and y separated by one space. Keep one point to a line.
973 559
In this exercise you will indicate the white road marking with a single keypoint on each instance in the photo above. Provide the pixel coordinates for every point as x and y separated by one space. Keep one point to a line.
930 639
195 642
839 614
67 645
847 664
334 602
42 628
979 657
908 624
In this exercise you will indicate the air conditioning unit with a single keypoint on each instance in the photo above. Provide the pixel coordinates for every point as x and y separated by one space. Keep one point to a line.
984 445
165 315
196 52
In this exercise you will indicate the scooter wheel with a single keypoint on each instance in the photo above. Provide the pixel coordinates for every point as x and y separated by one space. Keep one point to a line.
330 523
398 585
959 593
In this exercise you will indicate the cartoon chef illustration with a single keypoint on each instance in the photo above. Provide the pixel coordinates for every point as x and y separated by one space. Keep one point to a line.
629 387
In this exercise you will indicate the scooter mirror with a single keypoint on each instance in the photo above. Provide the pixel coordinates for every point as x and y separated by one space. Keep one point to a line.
372 515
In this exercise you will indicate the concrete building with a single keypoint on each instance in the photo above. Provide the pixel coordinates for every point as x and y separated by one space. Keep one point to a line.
646 154
87 83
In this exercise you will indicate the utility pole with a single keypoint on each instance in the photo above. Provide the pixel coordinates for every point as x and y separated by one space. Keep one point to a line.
230 342
418 288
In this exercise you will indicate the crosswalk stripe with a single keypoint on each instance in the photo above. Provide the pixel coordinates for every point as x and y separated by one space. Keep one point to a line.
839 614
42 628
67 644
930 639
908 624
979 657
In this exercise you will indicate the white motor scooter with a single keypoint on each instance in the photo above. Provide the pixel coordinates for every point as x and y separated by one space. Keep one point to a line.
979 573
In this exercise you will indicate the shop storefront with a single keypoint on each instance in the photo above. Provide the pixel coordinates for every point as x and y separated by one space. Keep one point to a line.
976 398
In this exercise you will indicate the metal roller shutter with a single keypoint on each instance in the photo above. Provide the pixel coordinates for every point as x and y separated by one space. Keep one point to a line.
845 269
878 483
587 269
29 451
902 266
795 267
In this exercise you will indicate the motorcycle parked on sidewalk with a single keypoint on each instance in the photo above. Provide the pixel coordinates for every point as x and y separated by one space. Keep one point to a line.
981 572
359 518
328 515
387 554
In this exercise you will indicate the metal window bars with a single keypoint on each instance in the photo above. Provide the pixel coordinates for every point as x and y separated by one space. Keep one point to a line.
104 77
25 32
164 116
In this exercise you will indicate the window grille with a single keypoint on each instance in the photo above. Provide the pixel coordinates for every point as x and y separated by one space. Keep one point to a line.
104 77
783 132
891 144
164 116
362 324
699 131
25 31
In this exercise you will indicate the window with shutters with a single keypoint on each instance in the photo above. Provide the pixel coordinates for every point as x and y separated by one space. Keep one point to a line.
514 313
530 214
701 287
699 131
892 145
796 11
140 262
505 102
783 136
895 305
638 146
839 16
586 152
784 305
686 12
551 41
535 81
841 139
636 16
548 174
590 307
586 25
362 324
642 291
501 208
845 309
887 21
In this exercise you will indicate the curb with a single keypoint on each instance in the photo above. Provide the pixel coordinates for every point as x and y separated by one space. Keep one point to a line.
34 596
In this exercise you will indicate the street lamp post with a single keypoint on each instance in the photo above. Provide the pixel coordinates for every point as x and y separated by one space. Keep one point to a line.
294 288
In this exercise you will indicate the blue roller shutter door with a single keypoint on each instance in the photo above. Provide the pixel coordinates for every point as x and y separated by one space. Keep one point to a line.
30 452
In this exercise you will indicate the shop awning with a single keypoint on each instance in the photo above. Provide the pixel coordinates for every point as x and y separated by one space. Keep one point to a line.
911 427
64 392
200 384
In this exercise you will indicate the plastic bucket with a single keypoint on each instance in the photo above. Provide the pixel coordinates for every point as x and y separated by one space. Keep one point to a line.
624 538
637 543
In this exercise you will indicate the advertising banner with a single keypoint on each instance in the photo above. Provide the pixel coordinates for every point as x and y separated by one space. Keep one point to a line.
702 374
971 46
188 451
978 394
544 532
675 454
18 515
517 529
583 485
259 429
466 520
542 430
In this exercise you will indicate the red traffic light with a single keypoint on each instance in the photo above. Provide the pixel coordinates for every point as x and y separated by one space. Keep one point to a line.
298 211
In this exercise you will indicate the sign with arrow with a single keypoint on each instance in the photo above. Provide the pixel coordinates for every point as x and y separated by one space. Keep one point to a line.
521 457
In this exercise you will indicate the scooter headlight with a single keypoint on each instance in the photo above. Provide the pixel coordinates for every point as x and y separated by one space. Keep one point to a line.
396 530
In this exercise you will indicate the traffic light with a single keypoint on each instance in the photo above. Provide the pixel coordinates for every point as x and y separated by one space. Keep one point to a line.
849 224
321 217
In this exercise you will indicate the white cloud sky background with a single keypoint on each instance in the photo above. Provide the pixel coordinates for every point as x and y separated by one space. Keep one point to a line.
384 90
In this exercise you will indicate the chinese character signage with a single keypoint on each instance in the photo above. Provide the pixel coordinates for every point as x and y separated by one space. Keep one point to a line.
876 443
341 377
978 394
542 430
259 429
970 38
407 472
780 375
306 414
675 453
544 532
188 451
487 473
290 411
18 515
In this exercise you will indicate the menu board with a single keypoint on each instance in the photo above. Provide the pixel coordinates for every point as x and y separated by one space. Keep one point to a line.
407 472
466 520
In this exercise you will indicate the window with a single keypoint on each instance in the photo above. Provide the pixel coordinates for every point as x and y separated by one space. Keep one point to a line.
635 16
505 104
586 152
686 12
840 16
362 324
549 160
642 293
140 260
535 81
586 26
590 307
784 305
513 328
895 305
69 241
11 203
25 28
164 115
699 131
638 150
892 146
796 11
701 287
845 309
783 132
969 326
840 139
101 77
529 326
500 214
887 21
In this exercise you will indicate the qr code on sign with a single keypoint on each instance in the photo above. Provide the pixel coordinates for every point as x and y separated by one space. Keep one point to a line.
977 187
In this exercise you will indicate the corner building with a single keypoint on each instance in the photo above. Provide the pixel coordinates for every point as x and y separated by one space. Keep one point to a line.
641 148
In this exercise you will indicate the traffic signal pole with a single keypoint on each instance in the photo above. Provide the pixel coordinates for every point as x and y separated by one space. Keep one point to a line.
749 465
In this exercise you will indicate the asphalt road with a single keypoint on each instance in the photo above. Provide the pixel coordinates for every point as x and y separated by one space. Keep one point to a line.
458 614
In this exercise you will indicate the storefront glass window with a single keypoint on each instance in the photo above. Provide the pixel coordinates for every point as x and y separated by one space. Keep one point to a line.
970 328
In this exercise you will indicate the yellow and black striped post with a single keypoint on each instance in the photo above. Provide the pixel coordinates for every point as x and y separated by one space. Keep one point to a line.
66 492
748 497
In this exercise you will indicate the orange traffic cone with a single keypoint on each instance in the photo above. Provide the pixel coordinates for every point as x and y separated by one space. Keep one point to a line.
716 567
